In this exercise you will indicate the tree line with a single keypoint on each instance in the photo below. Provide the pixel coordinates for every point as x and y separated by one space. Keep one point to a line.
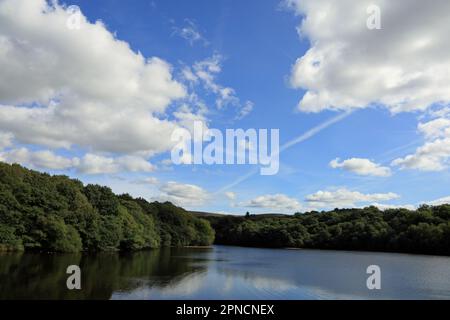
425 230
57 214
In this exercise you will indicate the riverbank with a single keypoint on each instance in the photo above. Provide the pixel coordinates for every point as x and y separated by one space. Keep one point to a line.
10 248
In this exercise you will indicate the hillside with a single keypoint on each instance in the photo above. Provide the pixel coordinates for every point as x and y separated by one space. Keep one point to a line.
58 214
425 230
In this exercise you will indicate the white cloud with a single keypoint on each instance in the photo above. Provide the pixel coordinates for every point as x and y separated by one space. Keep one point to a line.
147 181
5 140
445 200
436 128
38 159
278 202
440 112
205 72
189 75
434 155
88 164
96 164
404 66
186 116
363 167
230 195
246 109
185 195
190 32
345 198
62 87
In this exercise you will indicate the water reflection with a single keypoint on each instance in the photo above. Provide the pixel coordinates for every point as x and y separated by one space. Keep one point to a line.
43 276
225 273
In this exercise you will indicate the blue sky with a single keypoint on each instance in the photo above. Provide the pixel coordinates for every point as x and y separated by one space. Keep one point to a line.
391 161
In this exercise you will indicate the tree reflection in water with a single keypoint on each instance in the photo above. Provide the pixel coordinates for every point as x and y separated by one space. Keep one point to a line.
43 276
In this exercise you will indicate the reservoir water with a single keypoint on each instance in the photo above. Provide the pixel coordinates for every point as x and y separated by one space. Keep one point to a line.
223 272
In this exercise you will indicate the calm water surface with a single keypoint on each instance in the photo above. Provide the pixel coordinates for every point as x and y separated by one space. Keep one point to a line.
225 273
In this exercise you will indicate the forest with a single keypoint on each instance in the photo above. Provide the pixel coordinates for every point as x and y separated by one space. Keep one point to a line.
425 230
57 214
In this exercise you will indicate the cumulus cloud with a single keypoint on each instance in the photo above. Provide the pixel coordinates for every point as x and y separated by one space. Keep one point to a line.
5 140
345 198
96 164
441 201
38 159
88 164
278 202
362 167
437 128
185 195
434 155
404 66
61 88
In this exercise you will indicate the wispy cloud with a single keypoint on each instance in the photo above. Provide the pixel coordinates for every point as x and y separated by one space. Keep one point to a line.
205 73
190 32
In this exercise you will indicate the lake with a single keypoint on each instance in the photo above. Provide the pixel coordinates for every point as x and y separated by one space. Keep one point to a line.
223 272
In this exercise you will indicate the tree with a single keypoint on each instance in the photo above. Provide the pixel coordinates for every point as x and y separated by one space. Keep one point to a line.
58 214
426 230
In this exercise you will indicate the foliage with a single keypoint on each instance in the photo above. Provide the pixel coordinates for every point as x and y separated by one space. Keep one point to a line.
426 230
58 214
178 227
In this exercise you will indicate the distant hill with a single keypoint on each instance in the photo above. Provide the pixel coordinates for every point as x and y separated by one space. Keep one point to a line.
201 214
425 230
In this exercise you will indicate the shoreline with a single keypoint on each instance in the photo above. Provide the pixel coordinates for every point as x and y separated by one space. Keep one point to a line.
24 251
338 250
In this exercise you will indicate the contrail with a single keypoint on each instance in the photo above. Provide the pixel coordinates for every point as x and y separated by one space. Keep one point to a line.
307 135
312 132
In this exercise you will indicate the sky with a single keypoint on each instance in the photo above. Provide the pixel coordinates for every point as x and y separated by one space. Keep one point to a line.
96 94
